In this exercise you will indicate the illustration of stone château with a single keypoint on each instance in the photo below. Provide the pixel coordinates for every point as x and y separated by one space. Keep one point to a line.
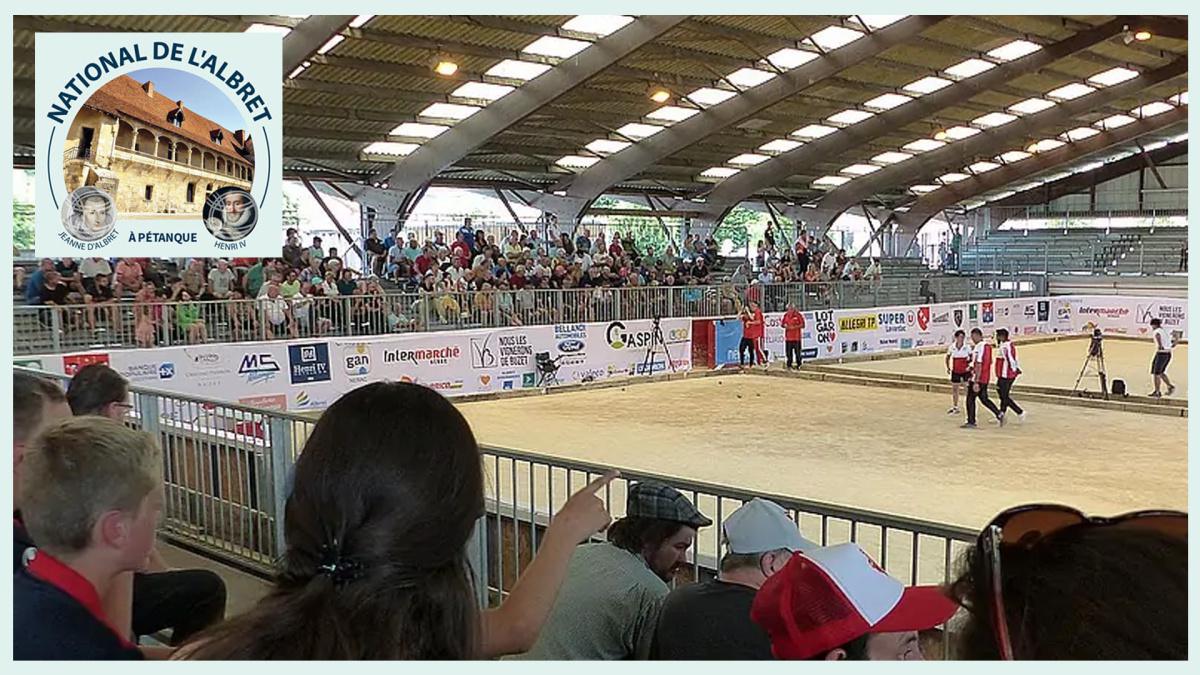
154 155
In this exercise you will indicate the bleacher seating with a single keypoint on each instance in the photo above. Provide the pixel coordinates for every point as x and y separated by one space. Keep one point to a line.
1076 250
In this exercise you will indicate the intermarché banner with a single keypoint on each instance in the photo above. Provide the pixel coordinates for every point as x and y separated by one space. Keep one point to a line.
311 374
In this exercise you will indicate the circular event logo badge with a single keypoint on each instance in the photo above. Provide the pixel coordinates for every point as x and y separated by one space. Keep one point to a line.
165 145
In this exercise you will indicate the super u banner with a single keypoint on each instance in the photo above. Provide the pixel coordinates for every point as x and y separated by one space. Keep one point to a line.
165 145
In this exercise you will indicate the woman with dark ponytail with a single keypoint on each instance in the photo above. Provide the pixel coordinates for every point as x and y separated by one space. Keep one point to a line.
385 495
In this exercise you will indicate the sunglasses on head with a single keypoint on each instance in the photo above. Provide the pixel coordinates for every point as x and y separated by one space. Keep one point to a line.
1031 525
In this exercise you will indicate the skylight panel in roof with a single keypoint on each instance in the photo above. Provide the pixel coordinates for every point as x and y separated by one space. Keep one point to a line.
1115 121
450 111
268 28
361 20
638 131
891 157
788 58
927 85
517 70
748 159
576 161
1014 156
1113 76
549 45
887 101
814 131
597 24
923 189
707 96
331 43
419 130
877 21
982 167
834 37
1180 99
749 77
780 145
1014 50
959 133
969 68
830 181
1070 91
993 119
671 113
1031 105
1045 145
850 116
718 172
605 146
482 90
1152 109
923 145
953 177
390 148
1079 134
860 169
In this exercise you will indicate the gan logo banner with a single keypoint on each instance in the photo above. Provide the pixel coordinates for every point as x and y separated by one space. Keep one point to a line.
164 144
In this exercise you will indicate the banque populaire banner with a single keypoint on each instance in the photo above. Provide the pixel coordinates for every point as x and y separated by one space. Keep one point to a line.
159 144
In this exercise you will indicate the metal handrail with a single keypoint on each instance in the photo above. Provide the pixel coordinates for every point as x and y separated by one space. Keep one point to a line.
42 329
226 492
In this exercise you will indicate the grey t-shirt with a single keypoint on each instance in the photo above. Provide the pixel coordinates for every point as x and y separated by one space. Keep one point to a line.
607 608
220 282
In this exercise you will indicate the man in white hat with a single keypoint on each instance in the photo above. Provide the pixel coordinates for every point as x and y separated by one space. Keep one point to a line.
711 620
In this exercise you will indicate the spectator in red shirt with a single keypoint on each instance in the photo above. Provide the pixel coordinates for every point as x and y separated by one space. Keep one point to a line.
614 249
460 250
425 261
793 333
752 332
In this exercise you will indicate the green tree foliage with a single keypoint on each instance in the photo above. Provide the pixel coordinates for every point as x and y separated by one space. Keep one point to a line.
645 230
22 225
291 212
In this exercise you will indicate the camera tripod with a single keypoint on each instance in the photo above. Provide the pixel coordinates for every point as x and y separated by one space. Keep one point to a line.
657 342
1095 360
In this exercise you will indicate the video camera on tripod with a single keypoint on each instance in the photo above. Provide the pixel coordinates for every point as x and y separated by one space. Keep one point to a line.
1096 345
1094 362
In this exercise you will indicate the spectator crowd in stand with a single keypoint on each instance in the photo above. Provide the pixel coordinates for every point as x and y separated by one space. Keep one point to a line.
388 490
471 280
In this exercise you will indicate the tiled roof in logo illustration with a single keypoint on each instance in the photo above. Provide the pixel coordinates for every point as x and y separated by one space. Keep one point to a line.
126 96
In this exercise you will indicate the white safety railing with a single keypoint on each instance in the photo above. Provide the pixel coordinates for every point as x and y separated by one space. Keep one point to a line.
128 325
227 468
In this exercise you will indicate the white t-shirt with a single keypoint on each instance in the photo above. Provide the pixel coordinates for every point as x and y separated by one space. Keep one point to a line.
275 309
960 358
89 268
1162 341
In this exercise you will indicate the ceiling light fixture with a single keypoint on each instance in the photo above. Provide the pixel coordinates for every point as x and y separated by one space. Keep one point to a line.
443 65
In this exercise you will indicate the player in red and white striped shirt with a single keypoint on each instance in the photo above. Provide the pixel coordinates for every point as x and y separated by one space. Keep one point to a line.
1007 370
981 375
958 367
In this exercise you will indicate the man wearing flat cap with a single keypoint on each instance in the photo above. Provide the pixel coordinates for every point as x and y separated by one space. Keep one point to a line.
710 621
608 606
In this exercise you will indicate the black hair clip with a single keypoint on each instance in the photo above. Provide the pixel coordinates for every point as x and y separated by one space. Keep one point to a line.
340 570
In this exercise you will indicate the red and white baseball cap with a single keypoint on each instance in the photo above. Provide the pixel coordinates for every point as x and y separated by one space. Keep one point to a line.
826 597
